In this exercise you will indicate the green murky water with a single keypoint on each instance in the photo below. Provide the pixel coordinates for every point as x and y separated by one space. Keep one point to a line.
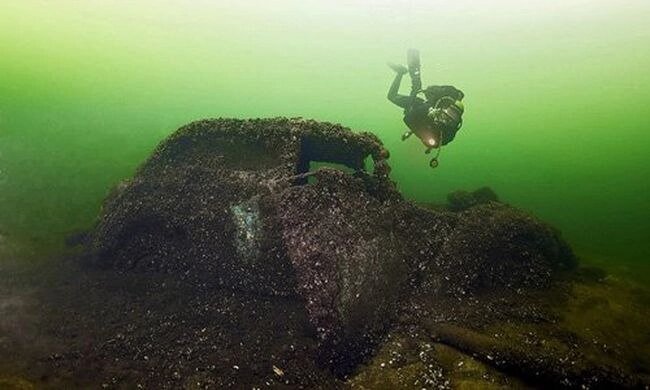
556 96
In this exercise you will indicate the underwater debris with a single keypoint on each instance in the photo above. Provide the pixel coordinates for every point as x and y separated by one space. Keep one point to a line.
463 200
495 246
278 371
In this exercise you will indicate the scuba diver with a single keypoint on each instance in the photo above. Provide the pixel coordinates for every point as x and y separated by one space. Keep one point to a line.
435 119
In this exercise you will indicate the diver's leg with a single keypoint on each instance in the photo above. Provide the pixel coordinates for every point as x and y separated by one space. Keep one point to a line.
393 95
413 60
416 83
394 87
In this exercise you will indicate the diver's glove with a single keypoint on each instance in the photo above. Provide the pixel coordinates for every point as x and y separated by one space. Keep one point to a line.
399 69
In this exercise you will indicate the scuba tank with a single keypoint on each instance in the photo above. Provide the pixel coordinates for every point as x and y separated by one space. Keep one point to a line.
447 113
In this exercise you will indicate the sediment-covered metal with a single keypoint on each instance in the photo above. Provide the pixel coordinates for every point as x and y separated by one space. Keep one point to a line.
235 204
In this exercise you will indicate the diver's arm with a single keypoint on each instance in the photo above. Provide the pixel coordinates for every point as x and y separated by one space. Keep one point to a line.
397 99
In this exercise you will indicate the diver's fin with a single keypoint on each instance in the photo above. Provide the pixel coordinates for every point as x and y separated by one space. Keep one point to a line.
397 68
413 60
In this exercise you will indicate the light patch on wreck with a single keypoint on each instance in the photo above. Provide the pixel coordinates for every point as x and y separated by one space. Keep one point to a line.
246 217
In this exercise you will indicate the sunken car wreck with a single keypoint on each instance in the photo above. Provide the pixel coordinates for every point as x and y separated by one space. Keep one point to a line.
375 290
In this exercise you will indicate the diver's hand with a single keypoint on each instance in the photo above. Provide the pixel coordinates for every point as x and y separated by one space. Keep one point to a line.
399 69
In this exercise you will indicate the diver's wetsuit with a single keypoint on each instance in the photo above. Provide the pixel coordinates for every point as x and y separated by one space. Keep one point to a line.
416 110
